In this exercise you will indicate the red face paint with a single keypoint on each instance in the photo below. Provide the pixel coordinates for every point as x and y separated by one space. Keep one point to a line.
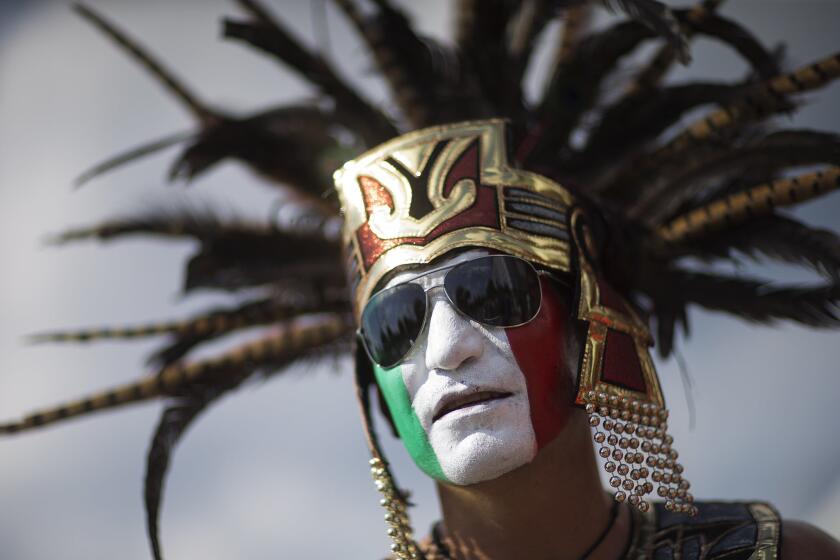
539 348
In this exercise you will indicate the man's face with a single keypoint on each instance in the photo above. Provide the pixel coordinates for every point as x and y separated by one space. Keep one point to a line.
471 402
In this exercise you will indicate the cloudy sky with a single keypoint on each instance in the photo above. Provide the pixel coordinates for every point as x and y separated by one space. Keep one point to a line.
279 469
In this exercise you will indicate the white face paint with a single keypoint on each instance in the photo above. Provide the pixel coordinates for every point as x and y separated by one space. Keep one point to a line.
456 359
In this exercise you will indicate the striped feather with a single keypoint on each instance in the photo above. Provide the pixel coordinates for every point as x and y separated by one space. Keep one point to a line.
288 339
206 325
757 201
156 68
760 100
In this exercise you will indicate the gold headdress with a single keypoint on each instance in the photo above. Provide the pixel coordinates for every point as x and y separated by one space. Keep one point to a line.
432 191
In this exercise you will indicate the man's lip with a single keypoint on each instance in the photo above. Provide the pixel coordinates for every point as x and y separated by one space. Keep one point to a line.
457 402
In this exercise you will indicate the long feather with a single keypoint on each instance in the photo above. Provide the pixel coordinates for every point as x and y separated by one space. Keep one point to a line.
156 68
656 69
289 145
532 19
133 154
271 36
736 36
256 139
180 223
289 339
755 300
760 100
205 325
328 301
176 418
428 82
757 201
775 237
657 17
174 421
772 154
575 23
574 87
639 118
484 44
721 126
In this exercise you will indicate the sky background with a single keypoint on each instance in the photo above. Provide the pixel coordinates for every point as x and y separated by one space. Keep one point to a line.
280 469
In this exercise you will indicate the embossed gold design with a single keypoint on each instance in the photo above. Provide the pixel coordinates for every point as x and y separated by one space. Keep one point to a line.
600 320
414 151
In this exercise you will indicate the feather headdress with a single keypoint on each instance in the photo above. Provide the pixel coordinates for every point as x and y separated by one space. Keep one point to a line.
710 190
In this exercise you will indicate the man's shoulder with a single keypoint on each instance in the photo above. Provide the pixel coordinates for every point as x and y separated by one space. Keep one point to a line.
803 540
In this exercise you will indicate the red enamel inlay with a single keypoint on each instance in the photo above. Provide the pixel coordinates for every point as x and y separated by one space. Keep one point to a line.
539 348
483 212
375 195
621 362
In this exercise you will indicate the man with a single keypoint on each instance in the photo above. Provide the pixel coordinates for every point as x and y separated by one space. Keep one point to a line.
603 250
481 358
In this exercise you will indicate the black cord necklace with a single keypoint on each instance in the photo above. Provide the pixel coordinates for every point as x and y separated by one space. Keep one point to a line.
443 550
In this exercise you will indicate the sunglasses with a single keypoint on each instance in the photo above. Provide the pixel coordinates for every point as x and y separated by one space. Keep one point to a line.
495 291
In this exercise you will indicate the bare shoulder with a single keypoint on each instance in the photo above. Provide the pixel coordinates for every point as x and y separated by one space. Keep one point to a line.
802 540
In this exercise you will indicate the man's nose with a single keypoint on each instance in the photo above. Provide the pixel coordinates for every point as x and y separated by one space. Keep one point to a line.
452 339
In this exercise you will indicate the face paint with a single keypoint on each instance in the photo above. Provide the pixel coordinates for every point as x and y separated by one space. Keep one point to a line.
539 348
411 432
460 401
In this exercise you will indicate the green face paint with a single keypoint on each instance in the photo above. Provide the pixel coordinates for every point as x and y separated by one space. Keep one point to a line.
414 437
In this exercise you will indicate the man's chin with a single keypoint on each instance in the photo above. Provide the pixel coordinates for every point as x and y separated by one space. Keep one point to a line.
485 455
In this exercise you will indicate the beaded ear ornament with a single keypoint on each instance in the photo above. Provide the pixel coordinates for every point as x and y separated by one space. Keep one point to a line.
399 526
632 438
619 389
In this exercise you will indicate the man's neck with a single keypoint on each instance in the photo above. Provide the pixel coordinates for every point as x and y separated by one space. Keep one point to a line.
551 509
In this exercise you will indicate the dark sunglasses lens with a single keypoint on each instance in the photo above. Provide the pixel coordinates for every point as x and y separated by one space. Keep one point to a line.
496 291
392 321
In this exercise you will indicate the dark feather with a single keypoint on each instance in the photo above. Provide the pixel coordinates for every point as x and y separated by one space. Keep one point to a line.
299 133
657 17
715 26
283 343
195 398
174 421
775 237
270 36
533 17
173 352
235 254
427 80
202 225
156 68
651 75
641 117
204 326
708 178
288 145
483 40
131 155
758 301
180 345
575 86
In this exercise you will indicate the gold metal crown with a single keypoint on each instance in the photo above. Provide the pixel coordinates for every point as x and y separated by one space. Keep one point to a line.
425 193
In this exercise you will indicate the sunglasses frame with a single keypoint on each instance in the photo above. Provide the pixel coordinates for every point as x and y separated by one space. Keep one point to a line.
425 325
